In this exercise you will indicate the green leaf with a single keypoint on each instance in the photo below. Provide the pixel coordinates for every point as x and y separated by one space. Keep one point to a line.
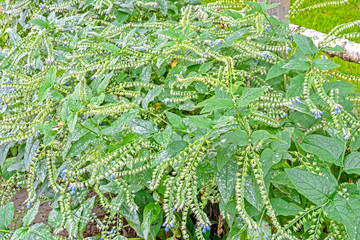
296 86
151 223
297 64
345 212
275 71
226 180
337 48
150 96
81 144
38 231
6 215
327 149
110 47
175 120
200 121
104 83
88 206
142 127
324 64
213 104
318 189
50 76
43 91
173 149
205 67
54 218
284 208
39 22
239 137
269 158
46 128
352 163
260 135
72 120
224 154
306 44
31 214
146 73
163 137
249 95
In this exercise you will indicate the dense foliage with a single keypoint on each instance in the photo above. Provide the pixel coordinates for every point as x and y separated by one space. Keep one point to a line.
162 112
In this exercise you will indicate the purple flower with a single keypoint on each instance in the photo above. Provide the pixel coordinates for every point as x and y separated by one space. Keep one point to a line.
297 101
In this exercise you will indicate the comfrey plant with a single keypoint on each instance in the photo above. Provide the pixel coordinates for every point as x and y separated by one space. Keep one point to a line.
179 119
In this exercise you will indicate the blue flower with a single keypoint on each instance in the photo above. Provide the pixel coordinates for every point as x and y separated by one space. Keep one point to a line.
67 84
359 25
8 81
297 101
291 37
72 188
174 209
346 137
112 231
63 175
204 230
41 7
28 205
167 229
36 135
337 110
112 177
171 225
208 228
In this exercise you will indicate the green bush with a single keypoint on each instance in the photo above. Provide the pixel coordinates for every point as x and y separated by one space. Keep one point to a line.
169 114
